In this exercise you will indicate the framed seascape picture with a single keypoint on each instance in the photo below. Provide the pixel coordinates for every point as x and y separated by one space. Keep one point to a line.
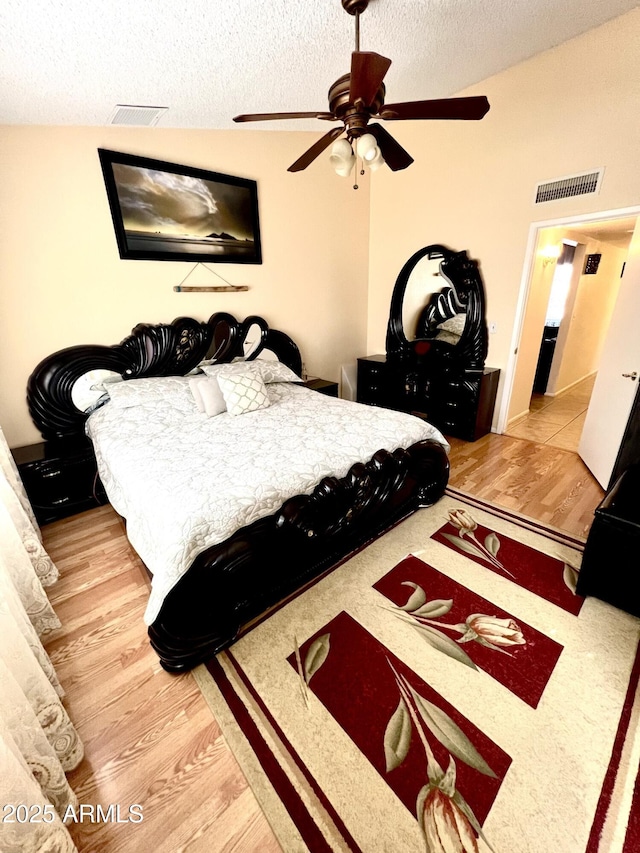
165 212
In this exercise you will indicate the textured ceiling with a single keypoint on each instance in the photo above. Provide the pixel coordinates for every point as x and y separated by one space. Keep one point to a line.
72 61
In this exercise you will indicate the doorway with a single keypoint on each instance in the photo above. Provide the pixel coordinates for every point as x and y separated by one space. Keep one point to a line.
556 414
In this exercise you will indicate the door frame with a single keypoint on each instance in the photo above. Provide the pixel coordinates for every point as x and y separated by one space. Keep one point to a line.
525 288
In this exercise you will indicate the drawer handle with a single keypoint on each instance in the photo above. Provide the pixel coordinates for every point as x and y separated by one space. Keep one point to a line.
49 474
60 501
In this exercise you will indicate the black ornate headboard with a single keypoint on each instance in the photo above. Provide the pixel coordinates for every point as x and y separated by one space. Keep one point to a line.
150 350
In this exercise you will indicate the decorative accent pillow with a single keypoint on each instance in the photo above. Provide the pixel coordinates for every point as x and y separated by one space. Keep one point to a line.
243 393
207 395
153 390
451 329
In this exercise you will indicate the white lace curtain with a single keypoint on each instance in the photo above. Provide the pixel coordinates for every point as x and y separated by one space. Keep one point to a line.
38 742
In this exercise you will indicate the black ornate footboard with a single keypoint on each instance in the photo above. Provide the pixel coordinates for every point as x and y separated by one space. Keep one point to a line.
232 583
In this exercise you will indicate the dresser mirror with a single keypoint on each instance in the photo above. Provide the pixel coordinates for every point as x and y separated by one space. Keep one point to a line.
437 309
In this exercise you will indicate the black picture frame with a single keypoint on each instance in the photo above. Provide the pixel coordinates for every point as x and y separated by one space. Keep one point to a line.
592 263
182 213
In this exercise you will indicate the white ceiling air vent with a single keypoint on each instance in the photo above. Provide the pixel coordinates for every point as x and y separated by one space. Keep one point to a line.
135 116
569 186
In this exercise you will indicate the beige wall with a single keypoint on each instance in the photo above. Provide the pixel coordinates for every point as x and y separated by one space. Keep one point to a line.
589 311
63 283
571 109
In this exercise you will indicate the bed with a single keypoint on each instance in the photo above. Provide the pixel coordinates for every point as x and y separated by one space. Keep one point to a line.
231 510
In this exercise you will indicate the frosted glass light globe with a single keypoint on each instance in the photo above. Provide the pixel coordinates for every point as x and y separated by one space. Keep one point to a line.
367 147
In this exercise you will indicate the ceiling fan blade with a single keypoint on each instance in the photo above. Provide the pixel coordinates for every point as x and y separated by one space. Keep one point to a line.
471 109
392 152
316 149
277 116
367 73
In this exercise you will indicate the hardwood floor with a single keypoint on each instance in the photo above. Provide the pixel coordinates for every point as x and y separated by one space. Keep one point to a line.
539 480
149 736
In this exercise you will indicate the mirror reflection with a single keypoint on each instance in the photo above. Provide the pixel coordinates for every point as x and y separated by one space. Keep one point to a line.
424 280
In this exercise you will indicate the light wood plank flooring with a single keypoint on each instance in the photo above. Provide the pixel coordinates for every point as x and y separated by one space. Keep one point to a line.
541 481
149 736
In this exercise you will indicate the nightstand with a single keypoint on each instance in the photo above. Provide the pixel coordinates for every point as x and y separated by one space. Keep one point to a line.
60 478
324 386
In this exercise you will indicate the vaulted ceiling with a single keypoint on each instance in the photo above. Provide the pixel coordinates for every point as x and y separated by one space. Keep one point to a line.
72 61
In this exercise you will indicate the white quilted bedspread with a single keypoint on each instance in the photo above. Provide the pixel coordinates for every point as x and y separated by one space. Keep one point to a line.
184 482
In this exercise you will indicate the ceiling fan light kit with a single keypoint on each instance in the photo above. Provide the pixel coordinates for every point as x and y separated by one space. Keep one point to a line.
358 97
342 157
374 164
367 147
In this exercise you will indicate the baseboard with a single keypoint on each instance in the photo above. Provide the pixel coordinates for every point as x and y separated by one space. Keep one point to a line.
571 385
516 419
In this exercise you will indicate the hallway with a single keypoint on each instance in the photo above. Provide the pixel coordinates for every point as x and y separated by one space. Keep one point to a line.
556 421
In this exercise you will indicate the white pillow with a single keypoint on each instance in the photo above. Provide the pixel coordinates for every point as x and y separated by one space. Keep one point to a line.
269 371
153 390
195 390
207 395
275 371
235 368
208 389
245 392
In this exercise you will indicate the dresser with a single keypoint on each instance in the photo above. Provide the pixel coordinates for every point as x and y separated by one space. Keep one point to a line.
458 403
436 347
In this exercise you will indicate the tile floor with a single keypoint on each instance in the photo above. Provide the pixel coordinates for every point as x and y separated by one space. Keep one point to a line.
556 421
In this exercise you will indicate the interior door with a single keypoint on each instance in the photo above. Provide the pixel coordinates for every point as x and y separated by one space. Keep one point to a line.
618 375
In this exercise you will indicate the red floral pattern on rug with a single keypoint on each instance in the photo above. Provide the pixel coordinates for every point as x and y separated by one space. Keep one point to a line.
545 576
444 769
458 622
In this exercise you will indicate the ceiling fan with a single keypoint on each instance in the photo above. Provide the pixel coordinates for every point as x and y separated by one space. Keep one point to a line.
356 98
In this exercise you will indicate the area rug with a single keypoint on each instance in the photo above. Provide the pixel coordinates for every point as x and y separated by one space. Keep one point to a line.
443 690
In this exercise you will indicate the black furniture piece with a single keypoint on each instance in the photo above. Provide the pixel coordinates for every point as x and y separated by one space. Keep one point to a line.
610 567
629 452
440 373
60 478
545 358
323 386
227 585
454 404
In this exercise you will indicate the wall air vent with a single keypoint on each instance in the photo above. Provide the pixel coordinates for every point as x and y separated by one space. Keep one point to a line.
569 186
136 116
